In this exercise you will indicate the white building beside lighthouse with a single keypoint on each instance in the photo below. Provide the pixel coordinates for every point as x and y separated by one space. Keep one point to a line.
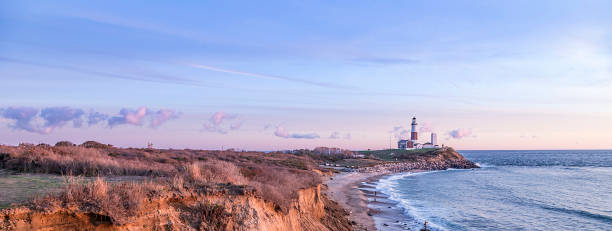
434 139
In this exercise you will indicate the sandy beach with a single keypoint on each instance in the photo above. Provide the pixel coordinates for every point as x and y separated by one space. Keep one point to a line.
369 209
343 188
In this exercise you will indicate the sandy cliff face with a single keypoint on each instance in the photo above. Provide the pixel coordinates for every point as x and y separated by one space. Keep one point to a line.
310 211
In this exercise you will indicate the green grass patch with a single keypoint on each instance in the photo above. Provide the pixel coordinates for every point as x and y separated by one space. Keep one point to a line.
23 187
398 154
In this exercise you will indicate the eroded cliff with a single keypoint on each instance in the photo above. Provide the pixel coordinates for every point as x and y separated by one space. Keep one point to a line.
311 211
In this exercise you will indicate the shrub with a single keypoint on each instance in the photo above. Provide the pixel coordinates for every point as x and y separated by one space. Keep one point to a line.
63 143
211 216
94 144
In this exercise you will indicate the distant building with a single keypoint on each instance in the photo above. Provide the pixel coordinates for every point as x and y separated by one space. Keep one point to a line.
434 139
405 144
414 137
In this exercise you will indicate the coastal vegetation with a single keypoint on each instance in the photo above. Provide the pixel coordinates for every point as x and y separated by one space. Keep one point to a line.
402 154
98 185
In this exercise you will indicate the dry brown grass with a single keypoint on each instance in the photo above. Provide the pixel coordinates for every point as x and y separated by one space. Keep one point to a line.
276 177
215 171
76 160
118 203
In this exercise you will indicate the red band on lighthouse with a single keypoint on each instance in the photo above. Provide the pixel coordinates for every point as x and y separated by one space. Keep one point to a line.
413 136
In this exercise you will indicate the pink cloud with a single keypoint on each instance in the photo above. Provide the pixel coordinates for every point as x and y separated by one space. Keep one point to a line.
128 116
137 116
216 123
281 132
460 133
163 115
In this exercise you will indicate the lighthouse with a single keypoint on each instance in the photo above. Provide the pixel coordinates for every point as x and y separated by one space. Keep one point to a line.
413 133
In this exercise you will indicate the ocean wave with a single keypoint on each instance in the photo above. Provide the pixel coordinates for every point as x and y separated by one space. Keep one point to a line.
582 213
576 212
487 165
389 186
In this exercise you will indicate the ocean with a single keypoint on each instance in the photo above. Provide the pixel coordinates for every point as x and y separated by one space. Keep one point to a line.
513 190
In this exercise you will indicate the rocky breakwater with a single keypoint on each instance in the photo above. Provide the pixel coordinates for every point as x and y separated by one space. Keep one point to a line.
439 159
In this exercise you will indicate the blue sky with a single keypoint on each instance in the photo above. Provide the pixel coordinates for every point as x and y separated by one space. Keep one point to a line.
301 74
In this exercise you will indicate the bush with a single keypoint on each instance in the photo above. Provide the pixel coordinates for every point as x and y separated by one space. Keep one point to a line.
64 143
211 216
94 144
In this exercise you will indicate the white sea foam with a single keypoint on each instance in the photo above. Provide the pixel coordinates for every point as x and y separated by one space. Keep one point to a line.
390 186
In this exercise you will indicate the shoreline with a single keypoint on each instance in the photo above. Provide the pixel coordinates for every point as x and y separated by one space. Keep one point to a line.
390 215
368 207
344 188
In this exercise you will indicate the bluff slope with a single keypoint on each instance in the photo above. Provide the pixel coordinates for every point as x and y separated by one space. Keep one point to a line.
189 211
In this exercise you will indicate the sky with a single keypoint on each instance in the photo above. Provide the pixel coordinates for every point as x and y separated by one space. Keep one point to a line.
301 74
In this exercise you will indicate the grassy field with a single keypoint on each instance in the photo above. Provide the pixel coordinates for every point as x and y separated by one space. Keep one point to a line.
357 162
23 187
397 154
